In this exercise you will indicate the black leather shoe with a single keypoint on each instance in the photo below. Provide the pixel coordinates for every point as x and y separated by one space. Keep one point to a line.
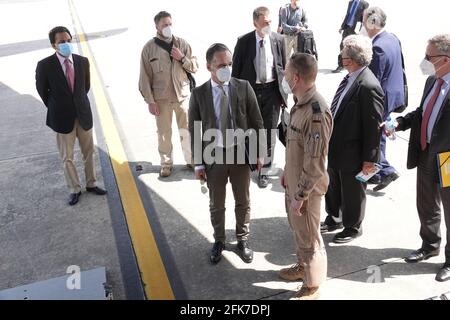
73 198
386 181
245 252
216 252
330 225
346 236
338 69
374 180
97 190
421 254
263 181
444 273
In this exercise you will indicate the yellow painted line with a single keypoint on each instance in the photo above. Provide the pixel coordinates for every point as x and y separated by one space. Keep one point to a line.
153 273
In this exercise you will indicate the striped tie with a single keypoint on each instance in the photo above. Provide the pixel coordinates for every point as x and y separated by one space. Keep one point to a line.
338 94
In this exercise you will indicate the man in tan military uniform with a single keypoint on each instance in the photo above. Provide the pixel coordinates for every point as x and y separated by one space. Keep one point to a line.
164 84
305 176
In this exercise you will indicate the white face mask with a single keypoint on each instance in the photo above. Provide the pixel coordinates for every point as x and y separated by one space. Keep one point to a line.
266 30
286 87
427 68
224 74
167 32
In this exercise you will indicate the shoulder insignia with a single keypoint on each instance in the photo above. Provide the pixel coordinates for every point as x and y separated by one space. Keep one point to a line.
316 107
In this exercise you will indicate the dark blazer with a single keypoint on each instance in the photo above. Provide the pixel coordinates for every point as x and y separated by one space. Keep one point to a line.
244 108
356 133
440 137
245 54
63 107
387 66
363 5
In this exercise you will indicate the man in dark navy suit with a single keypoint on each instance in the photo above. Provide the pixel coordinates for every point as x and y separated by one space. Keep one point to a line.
63 82
387 66
354 15
430 135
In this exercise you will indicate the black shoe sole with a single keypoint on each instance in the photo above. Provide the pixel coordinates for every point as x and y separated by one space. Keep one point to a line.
331 228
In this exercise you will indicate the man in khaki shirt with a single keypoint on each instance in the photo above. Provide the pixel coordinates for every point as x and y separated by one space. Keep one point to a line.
164 84
305 176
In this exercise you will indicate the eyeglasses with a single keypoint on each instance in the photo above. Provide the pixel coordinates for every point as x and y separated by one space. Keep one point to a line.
428 57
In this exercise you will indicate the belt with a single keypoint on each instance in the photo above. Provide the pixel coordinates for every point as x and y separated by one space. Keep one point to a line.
259 86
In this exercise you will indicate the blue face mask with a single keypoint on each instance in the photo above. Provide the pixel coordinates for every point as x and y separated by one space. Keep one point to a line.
65 49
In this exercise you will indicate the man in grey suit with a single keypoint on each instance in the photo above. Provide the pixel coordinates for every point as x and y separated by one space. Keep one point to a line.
220 108
260 58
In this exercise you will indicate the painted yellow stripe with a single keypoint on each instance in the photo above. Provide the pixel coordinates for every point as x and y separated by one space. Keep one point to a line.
153 273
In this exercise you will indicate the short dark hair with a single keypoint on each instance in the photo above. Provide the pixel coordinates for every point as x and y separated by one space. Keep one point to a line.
55 30
259 12
216 47
160 15
305 66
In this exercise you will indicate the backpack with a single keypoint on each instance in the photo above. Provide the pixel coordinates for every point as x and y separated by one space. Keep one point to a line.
307 44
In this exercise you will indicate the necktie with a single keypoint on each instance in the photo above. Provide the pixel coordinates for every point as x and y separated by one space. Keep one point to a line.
427 114
262 62
338 94
224 114
69 74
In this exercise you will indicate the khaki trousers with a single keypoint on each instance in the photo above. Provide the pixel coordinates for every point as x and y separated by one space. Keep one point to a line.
66 144
164 125
311 252
290 44
217 178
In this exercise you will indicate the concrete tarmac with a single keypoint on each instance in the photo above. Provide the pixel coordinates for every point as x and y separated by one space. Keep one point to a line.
42 236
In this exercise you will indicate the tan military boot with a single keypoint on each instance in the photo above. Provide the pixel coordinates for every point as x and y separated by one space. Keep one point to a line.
165 171
306 293
293 273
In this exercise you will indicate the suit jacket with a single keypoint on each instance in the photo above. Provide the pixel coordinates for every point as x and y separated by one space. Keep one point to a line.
244 108
244 59
363 5
387 66
356 133
63 106
440 137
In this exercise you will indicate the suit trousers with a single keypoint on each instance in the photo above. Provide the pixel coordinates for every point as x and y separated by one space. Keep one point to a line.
217 179
269 101
66 144
430 196
345 33
164 126
290 42
386 168
347 194
311 253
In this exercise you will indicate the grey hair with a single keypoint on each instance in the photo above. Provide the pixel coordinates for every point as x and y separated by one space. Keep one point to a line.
375 17
359 49
442 43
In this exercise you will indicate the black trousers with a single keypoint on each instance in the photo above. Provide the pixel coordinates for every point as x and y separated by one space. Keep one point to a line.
345 34
269 101
347 194
429 197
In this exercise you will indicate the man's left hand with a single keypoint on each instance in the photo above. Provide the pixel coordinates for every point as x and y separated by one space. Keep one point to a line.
177 54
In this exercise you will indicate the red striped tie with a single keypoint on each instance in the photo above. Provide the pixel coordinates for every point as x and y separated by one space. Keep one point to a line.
427 114
69 74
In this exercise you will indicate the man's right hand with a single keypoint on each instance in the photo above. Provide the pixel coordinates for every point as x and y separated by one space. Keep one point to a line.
200 174
388 132
153 108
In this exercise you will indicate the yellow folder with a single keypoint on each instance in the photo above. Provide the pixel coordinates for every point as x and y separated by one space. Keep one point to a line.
444 168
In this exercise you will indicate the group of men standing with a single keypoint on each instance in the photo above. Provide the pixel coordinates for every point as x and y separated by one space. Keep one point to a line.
326 146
